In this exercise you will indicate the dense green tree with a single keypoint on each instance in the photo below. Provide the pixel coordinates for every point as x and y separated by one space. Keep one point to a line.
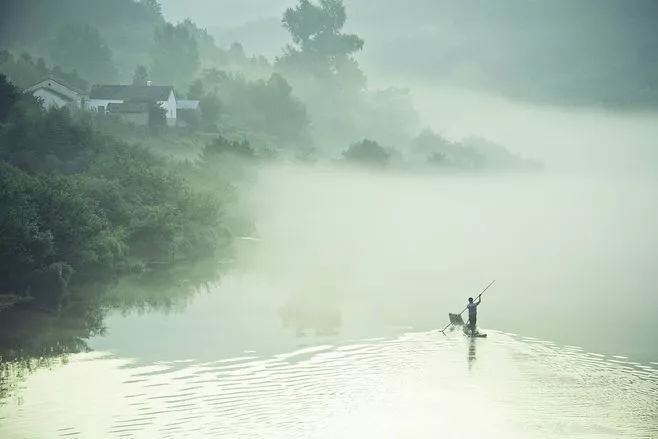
8 97
438 150
221 146
157 118
141 75
209 53
213 78
236 52
196 90
174 55
367 152
266 109
467 154
51 227
25 72
211 108
82 48
320 48
79 205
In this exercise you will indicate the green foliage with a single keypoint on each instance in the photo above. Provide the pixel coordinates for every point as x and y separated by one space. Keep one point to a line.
321 66
321 50
157 118
25 72
141 75
214 152
79 205
472 153
126 26
234 58
264 109
8 97
367 152
211 108
81 47
174 55
445 153
209 53
51 229
196 90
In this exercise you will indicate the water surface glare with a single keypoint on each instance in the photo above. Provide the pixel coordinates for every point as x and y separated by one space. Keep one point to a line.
420 384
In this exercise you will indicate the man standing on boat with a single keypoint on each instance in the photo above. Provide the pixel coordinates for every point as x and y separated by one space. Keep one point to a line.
473 313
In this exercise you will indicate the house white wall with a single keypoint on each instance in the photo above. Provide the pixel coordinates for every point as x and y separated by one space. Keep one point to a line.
170 106
50 99
55 95
93 104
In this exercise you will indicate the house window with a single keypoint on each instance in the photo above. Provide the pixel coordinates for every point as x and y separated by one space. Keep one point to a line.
101 109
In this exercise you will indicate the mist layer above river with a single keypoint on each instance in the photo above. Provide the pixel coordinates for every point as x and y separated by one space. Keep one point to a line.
348 254
571 253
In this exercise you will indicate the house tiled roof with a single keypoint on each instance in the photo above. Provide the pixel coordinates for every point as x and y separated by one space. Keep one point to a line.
125 108
134 93
48 81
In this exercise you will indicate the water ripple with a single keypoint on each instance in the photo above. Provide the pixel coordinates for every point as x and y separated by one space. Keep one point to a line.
416 385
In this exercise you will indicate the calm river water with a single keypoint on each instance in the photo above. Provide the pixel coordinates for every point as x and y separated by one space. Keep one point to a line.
326 327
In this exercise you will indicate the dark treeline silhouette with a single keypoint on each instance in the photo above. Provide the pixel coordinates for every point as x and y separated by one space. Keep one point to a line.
24 71
367 152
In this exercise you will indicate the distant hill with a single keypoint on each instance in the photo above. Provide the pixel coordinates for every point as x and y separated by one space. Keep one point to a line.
583 52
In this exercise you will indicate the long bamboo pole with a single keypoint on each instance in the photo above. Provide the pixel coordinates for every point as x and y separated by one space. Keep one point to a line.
478 296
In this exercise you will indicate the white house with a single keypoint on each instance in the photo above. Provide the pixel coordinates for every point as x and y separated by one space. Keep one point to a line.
103 95
55 94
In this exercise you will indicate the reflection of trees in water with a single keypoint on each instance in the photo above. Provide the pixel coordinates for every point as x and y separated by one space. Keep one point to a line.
12 373
164 289
33 338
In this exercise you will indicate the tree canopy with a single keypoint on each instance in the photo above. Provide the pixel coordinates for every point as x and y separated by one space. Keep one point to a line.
320 47
79 204
82 48
141 75
367 152
174 55
24 71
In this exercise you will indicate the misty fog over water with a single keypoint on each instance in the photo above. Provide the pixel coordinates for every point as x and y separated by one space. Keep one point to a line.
329 320
360 253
